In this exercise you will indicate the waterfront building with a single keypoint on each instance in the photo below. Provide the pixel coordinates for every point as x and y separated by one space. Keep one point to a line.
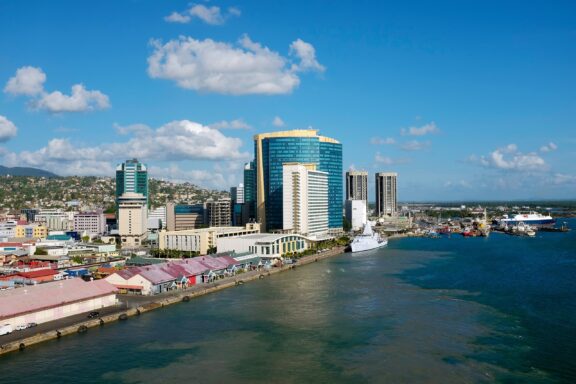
274 149
184 216
92 223
162 277
201 240
265 245
356 213
218 212
357 185
131 177
53 301
386 194
305 199
132 219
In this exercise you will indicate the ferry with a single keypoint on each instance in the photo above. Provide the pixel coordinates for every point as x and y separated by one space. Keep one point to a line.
368 240
530 218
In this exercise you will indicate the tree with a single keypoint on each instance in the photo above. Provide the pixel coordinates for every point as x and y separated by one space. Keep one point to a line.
346 224
40 251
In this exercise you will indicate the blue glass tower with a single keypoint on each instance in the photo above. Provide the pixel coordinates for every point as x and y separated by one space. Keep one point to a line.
273 150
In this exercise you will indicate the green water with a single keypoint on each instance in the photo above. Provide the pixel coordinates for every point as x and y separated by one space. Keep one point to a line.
451 310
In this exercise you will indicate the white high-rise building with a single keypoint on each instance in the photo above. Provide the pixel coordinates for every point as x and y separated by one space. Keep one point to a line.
305 199
357 185
93 223
356 213
132 219
386 197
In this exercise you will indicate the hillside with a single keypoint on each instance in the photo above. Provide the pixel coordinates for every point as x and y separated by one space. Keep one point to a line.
24 171
17 192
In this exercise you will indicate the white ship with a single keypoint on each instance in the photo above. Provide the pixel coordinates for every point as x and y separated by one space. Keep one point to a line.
530 218
368 240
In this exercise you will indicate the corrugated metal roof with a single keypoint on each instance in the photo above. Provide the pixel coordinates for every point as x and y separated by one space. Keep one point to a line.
38 273
37 297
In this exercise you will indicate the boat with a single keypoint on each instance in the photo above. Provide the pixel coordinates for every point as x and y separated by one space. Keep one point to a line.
530 218
523 229
368 240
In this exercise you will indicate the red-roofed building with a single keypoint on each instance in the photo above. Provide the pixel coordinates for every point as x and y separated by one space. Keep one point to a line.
39 275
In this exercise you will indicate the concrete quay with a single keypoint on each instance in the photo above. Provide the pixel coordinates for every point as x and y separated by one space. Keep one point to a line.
148 303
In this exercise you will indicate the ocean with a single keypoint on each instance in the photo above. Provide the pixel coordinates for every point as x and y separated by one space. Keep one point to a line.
450 310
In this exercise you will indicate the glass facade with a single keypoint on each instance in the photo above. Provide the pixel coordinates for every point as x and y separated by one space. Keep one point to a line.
131 176
299 149
250 189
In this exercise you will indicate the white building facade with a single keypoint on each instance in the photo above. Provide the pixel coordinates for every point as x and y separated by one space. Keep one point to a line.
305 199
356 213
93 223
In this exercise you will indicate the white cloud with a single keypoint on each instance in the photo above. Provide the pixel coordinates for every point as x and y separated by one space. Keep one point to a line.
234 124
210 15
176 17
27 81
420 131
381 141
307 55
562 179
205 178
135 129
548 147
80 100
211 66
176 141
278 122
415 145
7 129
388 160
510 158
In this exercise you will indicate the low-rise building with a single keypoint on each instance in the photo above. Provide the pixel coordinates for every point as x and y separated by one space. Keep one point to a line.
52 301
265 245
356 213
92 223
36 231
201 240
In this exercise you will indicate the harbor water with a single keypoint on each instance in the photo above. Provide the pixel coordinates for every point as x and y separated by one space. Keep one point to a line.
448 310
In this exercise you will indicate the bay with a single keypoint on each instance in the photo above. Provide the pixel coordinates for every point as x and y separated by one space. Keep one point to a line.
450 310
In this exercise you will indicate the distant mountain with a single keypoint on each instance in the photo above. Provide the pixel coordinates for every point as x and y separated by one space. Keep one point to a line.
24 171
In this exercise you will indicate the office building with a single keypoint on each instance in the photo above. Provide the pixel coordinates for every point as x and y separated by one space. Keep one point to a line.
131 177
184 216
305 199
30 214
201 240
93 223
250 190
386 197
55 219
274 149
132 219
357 185
219 212
356 213
237 194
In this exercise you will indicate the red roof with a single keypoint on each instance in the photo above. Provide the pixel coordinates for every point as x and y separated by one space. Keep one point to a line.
38 273
10 244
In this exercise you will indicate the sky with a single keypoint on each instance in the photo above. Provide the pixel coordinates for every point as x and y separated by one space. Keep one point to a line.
466 100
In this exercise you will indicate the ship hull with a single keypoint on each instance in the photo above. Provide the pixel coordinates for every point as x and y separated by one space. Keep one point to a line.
367 245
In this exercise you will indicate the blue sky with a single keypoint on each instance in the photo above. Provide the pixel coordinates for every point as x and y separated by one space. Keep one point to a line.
465 100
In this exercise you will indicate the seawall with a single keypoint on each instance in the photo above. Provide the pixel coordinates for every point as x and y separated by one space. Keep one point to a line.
172 297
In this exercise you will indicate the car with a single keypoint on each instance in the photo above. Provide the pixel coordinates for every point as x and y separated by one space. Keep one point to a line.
31 325
93 314
20 327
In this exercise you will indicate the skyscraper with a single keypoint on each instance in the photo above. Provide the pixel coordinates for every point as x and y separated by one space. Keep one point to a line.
274 149
386 199
250 190
131 176
305 199
357 185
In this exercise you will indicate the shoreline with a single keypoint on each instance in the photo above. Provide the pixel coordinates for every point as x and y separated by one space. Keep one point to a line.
159 301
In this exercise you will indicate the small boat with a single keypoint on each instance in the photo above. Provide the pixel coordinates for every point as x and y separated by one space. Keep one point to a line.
368 240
